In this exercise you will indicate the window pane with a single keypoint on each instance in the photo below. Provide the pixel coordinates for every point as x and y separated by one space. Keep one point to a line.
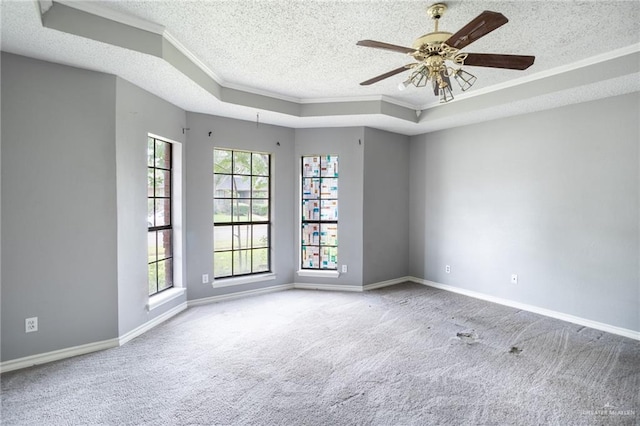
261 260
222 264
242 162
151 246
150 215
163 154
241 262
165 274
330 166
310 234
164 244
260 236
310 210
260 164
310 188
329 188
222 186
260 210
222 238
329 210
242 186
260 187
328 258
310 257
221 211
240 212
241 237
150 181
150 145
163 183
153 276
328 234
163 212
310 166
221 161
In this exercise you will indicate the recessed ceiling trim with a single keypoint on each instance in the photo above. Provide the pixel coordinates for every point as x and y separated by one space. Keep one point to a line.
85 24
193 58
160 43
113 15
97 23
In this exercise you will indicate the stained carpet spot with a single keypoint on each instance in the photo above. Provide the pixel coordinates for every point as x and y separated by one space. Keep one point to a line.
467 336
515 350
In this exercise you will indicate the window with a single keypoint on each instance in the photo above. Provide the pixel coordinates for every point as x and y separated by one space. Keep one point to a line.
320 212
241 213
159 221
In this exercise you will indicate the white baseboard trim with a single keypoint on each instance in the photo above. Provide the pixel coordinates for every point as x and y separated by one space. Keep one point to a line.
237 295
29 361
625 332
330 287
387 283
151 324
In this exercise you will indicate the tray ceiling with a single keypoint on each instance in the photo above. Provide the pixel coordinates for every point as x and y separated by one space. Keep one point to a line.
305 53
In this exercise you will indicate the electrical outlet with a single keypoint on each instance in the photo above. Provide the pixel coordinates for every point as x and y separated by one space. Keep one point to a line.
447 269
344 269
31 325
205 278
514 279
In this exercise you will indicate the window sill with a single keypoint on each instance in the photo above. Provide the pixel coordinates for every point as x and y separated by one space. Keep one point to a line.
227 282
166 296
319 273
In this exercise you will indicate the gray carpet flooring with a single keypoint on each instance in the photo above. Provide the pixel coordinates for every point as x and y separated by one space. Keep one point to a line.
402 355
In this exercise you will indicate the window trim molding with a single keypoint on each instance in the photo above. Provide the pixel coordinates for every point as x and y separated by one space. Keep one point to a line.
243 279
165 296
318 273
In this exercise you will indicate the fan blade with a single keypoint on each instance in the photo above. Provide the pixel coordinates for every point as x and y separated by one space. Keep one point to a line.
386 46
385 75
482 25
512 62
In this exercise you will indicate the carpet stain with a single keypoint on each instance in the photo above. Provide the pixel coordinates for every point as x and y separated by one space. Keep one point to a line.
515 350
468 337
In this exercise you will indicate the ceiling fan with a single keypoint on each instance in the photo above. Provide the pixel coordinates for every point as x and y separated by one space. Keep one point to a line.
432 51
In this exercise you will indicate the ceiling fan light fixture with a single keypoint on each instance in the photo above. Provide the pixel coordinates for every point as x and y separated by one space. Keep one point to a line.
464 78
444 92
403 85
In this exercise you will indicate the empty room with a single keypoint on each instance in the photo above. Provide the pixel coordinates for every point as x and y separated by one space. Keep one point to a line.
315 212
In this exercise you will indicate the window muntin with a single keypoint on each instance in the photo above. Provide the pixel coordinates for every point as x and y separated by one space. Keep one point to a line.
319 232
159 220
241 213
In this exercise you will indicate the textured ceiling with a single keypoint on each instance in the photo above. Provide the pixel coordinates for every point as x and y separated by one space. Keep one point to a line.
306 50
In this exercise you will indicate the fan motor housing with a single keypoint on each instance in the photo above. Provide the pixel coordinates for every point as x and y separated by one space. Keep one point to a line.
438 37
435 38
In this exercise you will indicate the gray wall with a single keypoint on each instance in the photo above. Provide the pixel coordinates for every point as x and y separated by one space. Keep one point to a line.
348 144
385 212
551 196
137 114
58 206
243 135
